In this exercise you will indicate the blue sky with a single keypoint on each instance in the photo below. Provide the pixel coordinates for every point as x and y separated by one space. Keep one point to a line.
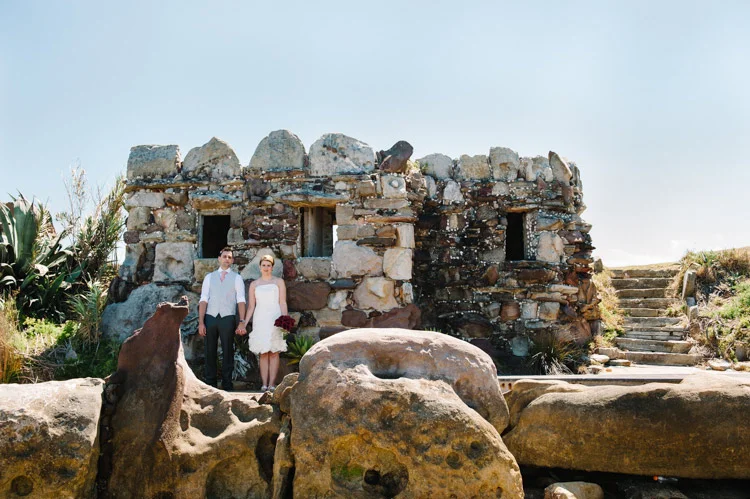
649 98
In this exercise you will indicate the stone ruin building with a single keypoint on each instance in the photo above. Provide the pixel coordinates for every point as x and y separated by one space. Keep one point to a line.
487 248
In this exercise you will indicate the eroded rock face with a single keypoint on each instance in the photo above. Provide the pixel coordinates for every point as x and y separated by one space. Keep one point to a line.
174 436
687 430
119 320
49 438
410 396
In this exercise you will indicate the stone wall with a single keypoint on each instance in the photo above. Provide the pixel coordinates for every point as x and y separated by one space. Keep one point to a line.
416 243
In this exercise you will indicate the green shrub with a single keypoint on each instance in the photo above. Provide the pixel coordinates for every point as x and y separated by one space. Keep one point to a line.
550 354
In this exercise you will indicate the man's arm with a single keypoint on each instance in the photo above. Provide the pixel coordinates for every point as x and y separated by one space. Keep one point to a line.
203 304
201 315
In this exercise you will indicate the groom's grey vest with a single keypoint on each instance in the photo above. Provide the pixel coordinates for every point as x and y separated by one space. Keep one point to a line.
222 298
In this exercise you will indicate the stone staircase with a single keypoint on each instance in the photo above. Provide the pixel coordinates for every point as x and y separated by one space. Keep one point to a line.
650 336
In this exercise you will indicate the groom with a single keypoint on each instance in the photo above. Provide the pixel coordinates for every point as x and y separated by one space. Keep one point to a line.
222 294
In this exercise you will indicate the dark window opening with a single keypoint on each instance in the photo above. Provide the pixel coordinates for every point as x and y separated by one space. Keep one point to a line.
318 231
214 235
514 247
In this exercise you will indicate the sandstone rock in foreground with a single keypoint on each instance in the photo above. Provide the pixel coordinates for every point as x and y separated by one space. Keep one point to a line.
49 443
386 412
173 436
695 429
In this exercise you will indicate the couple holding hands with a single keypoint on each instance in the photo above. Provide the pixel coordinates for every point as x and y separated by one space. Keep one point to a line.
222 294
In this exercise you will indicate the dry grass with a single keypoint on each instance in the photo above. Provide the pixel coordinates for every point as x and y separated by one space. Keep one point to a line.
11 360
612 317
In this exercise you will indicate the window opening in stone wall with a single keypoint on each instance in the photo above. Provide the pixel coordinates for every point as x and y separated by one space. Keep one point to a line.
514 236
214 229
318 231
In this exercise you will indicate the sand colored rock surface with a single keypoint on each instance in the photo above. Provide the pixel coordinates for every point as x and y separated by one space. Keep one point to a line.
694 429
173 436
386 412
49 438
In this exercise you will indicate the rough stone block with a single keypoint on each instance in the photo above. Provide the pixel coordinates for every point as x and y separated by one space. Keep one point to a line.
549 310
439 166
397 263
473 167
307 295
280 150
145 198
174 262
551 248
151 160
452 193
350 260
215 159
375 293
344 215
335 154
138 218
504 163
314 268
393 186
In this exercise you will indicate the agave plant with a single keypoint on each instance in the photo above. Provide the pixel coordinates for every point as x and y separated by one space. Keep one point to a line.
298 348
32 262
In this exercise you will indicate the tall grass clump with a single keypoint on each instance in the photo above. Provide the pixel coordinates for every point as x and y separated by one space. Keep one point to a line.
612 317
553 355
87 308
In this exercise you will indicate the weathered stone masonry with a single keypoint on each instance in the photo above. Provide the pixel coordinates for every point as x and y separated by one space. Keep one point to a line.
491 249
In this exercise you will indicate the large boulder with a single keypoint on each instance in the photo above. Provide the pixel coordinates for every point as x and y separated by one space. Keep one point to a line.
280 150
335 153
387 412
395 159
49 438
119 320
214 159
171 435
691 430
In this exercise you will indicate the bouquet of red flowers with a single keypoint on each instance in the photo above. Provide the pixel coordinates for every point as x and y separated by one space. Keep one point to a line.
285 323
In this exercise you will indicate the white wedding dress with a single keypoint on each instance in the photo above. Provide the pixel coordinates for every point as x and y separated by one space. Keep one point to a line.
265 337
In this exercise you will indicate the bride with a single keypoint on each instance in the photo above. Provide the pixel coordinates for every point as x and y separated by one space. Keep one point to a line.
267 301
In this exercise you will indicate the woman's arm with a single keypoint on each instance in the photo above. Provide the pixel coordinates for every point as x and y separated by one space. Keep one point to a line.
250 302
282 297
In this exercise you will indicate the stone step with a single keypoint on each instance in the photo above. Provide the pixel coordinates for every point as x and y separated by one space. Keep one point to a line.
654 335
642 293
633 273
646 302
664 359
653 321
642 283
641 345
643 312
677 330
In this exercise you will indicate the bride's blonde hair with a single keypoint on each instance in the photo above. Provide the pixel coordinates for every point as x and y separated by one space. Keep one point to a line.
266 258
